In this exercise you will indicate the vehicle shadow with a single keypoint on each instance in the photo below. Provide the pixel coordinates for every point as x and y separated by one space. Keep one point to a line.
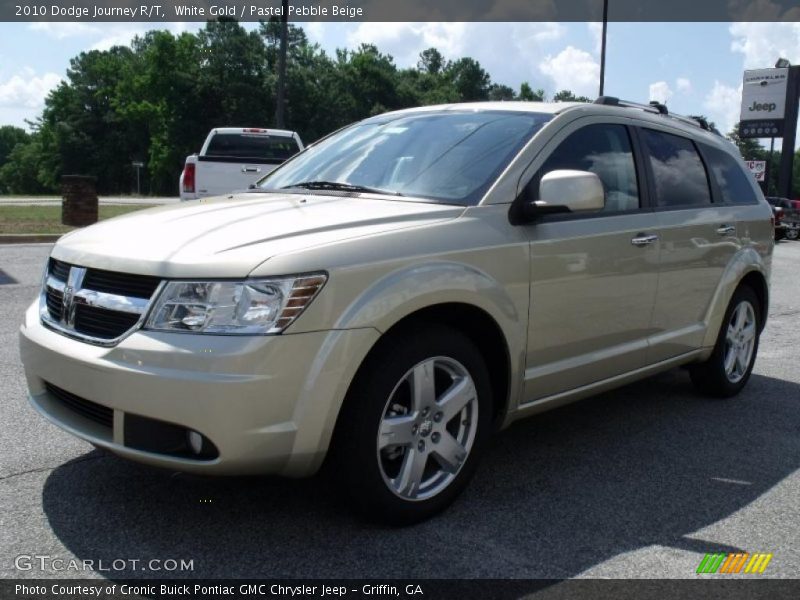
650 463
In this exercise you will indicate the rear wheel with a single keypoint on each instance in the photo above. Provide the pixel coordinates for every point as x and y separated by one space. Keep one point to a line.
793 233
414 425
726 372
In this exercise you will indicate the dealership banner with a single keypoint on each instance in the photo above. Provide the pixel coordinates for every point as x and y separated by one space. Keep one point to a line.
764 98
406 10
708 587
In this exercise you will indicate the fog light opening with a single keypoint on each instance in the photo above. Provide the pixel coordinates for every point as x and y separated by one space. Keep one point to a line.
195 442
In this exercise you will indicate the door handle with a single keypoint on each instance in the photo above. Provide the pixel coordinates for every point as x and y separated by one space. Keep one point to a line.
644 240
726 230
251 170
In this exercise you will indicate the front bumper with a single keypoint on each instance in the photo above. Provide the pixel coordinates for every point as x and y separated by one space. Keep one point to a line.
268 404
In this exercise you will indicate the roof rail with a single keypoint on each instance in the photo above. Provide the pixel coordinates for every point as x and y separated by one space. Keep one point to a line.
612 101
661 108
657 108
704 124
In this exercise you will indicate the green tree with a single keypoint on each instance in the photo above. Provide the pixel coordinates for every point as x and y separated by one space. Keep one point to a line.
271 32
22 170
569 96
161 97
234 81
10 136
527 94
80 130
498 91
470 81
312 109
366 82
431 61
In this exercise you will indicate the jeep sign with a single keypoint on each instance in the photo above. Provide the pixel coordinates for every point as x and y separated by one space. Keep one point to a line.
763 103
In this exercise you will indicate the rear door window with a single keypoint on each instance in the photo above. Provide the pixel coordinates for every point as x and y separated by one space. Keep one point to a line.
732 180
679 175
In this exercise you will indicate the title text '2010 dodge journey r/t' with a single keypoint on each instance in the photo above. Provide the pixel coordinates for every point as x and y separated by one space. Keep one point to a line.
393 294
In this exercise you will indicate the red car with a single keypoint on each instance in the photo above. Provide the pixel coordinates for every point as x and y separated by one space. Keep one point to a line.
787 217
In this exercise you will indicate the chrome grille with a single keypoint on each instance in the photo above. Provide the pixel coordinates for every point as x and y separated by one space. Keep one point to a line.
54 301
102 323
138 286
100 307
58 269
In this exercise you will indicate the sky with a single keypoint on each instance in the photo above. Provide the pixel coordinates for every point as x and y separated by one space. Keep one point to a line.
695 67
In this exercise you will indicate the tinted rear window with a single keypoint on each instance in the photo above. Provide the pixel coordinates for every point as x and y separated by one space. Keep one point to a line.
733 181
678 172
246 145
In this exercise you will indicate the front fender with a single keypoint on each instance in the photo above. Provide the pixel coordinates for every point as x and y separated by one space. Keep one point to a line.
318 404
376 309
412 288
415 287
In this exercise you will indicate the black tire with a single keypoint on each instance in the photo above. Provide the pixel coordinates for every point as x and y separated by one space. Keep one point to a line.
711 377
363 472
793 233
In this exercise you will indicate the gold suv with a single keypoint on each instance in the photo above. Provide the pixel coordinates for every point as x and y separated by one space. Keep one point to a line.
402 288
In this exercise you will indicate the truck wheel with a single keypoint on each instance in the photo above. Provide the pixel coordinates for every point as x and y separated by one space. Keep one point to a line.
414 425
726 372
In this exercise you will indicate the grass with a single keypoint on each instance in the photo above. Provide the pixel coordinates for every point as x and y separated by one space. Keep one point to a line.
47 219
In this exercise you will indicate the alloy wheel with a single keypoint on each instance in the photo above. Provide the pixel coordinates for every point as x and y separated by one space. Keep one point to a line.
427 428
740 340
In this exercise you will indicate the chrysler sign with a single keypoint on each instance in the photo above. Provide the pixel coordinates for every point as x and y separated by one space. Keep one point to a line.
763 103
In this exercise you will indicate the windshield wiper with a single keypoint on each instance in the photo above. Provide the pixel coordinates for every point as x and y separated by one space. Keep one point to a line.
340 187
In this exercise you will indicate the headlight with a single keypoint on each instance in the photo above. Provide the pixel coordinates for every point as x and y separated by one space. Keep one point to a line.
257 306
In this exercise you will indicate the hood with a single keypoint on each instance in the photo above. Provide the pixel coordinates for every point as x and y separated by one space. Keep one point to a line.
229 237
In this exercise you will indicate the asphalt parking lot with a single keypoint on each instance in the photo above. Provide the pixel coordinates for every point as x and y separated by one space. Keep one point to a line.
640 482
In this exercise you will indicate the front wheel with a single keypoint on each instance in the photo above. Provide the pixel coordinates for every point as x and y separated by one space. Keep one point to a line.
726 372
414 425
793 233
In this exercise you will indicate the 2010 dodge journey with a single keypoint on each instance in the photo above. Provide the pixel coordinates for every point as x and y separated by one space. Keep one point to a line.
393 294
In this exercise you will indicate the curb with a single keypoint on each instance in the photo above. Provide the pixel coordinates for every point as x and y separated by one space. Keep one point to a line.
29 238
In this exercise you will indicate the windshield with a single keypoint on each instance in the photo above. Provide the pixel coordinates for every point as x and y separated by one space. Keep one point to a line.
446 156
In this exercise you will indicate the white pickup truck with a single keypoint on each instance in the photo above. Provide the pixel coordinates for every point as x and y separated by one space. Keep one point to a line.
234 157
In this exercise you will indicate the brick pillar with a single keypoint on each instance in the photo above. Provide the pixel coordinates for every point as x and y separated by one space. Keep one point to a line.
79 200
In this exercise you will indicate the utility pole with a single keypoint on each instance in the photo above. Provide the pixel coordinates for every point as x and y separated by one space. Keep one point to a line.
789 133
280 109
769 165
603 49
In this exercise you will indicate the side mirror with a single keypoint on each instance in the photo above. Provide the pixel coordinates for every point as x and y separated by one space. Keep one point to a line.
575 191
